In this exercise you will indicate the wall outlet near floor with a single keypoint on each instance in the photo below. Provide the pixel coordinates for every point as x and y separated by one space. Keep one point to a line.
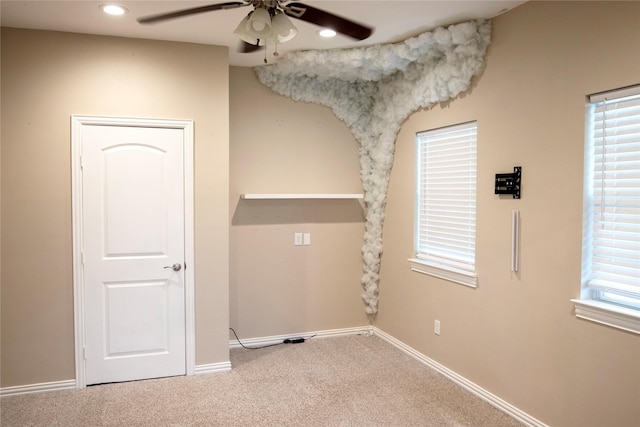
436 327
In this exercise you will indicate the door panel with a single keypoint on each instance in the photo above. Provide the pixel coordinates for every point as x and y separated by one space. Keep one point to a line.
129 214
132 328
133 228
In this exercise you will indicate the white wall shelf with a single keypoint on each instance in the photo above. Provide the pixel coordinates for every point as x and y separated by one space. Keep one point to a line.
263 196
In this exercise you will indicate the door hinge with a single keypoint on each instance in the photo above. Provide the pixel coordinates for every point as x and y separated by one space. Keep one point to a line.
84 353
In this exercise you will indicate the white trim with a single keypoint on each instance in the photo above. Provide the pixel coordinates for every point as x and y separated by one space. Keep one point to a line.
608 314
189 246
470 386
71 384
77 123
278 339
211 368
461 277
38 388
78 277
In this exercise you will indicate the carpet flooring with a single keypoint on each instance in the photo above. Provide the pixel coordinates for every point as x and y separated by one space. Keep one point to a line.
349 381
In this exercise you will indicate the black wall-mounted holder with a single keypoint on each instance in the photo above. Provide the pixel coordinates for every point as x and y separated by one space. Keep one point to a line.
509 183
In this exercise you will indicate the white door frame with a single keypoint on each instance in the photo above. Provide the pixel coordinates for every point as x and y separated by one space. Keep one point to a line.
77 124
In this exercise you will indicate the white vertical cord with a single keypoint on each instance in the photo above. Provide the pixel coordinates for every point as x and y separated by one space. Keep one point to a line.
515 240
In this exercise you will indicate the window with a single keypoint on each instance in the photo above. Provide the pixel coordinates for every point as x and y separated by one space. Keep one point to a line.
445 229
611 226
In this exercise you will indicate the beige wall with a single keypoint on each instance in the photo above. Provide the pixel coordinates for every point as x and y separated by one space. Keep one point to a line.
515 335
280 146
47 77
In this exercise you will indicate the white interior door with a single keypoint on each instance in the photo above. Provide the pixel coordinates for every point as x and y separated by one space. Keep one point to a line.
133 255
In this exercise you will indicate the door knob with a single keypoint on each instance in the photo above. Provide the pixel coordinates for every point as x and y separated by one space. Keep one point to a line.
176 267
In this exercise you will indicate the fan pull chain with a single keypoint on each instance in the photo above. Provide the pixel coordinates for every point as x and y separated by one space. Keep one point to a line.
275 52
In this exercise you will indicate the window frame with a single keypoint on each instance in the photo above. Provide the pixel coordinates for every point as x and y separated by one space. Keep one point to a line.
593 304
432 265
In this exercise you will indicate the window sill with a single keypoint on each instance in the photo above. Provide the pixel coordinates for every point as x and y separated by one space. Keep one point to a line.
608 314
447 273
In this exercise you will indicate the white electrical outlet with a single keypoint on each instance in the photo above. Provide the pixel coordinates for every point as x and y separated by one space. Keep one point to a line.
436 327
297 239
306 238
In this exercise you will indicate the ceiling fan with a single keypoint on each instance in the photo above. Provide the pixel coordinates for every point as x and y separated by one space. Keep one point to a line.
268 22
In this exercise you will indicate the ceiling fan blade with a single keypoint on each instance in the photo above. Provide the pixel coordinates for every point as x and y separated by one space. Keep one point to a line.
192 11
248 47
328 20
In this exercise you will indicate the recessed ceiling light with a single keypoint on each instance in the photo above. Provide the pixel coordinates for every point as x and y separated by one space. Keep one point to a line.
327 32
113 9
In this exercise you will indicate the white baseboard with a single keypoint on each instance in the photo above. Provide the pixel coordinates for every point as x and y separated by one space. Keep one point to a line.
478 391
38 388
277 339
211 368
71 384
199 369
470 386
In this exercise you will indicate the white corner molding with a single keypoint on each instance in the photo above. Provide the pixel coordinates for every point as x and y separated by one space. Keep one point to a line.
460 277
612 315
38 388
274 196
470 386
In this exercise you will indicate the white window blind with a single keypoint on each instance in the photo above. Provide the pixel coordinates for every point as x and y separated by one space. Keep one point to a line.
446 197
612 231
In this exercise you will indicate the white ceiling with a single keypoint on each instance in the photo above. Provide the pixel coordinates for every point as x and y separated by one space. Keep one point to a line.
392 21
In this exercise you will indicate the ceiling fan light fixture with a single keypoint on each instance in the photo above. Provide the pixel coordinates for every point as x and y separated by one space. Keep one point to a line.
259 23
283 28
241 30
244 33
